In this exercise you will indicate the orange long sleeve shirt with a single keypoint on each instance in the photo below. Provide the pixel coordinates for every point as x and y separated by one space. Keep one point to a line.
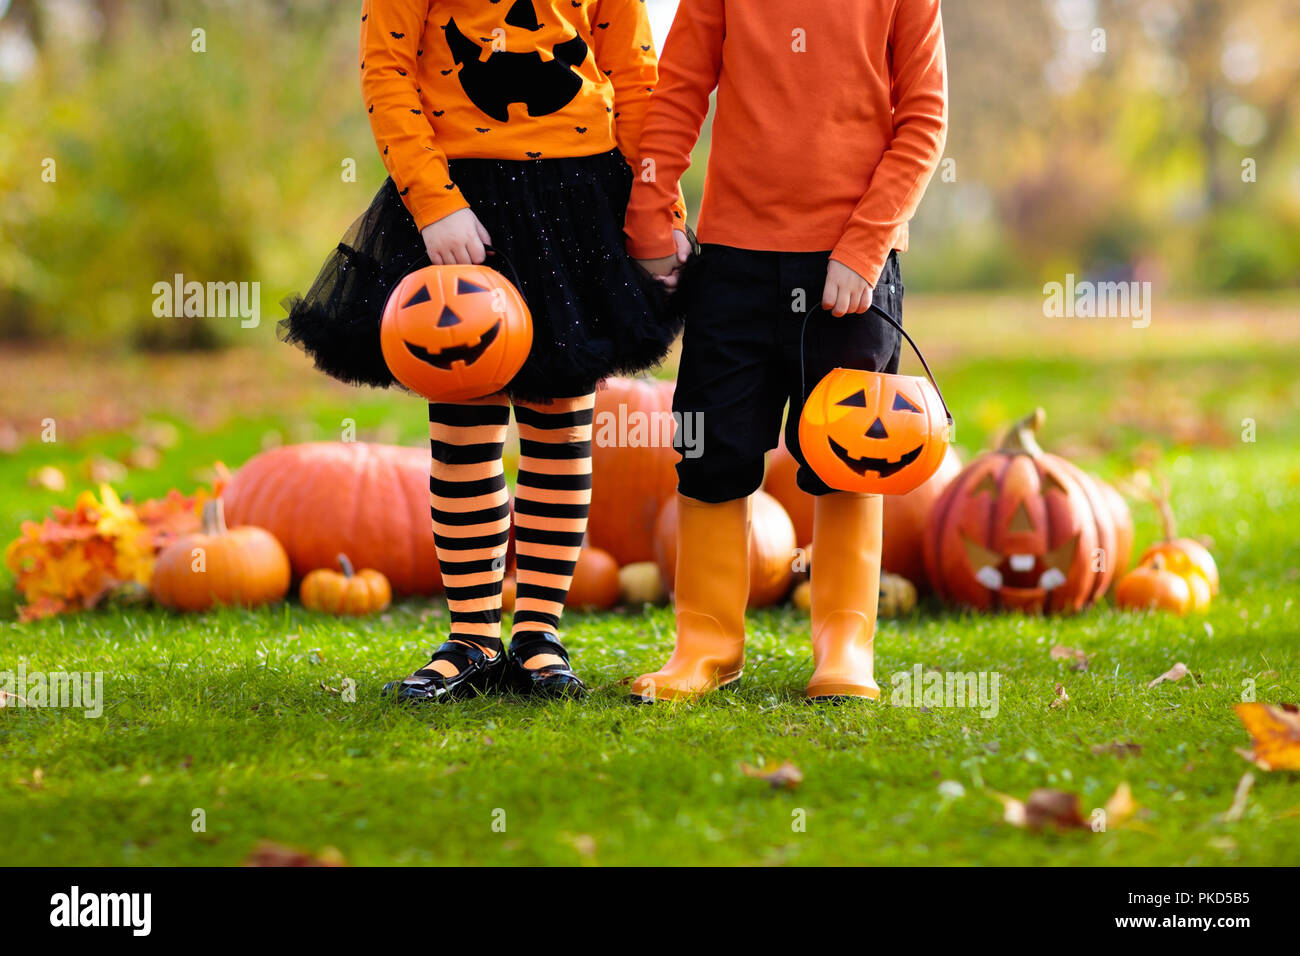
515 79
831 118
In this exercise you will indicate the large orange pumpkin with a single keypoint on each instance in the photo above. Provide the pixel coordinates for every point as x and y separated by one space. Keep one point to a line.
632 462
1123 520
455 332
1020 529
370 502
771 548
873 432
220 566
903 546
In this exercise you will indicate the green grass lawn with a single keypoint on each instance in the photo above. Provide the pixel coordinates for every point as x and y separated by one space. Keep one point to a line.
238 714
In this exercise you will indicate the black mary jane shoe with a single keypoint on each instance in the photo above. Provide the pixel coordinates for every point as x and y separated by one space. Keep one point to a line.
550 681
477 674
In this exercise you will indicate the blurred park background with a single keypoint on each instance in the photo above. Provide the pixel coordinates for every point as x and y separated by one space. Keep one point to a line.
1155 138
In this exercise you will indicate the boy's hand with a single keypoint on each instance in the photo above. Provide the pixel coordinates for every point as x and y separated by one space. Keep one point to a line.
456 238
667 268
845 291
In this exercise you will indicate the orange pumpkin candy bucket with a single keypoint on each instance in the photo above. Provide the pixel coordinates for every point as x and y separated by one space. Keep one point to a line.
456 332
875 432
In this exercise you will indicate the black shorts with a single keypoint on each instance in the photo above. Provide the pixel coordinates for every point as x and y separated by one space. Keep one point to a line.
741 364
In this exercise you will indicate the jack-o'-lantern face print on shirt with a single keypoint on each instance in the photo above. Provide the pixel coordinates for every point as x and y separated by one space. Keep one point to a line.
495 75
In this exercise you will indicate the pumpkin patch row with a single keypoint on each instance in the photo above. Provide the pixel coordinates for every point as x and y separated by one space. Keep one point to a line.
1018 529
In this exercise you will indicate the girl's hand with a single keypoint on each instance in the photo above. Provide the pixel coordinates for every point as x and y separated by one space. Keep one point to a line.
845 291
457 238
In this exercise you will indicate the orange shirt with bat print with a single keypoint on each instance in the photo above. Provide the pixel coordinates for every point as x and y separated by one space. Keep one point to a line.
500 79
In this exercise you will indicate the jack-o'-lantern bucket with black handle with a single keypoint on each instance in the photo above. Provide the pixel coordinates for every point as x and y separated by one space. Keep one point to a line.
456 332
874 432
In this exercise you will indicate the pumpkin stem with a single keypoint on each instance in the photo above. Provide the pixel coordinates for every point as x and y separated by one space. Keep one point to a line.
346 565
1160 501
214 516
1020 438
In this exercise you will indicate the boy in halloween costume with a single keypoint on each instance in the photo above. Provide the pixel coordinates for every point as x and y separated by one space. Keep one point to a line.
831 118
502 124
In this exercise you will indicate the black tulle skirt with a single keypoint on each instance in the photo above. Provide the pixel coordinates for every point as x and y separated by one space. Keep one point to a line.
559 221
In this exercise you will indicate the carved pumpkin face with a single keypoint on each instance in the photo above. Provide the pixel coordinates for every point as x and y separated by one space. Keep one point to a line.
500 63
1020 529
873 433
453 333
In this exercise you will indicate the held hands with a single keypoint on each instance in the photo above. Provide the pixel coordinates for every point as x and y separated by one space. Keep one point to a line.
845 291
667 269
456 238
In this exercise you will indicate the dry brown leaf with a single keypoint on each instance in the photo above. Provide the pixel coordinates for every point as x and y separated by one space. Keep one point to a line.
1045 807
1120 806
1062 653
49 478
267 853
1061 698
1177 672
1274 735
1238 808
786 776
1119 748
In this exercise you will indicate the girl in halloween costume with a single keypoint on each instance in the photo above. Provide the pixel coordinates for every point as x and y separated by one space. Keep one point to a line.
502 124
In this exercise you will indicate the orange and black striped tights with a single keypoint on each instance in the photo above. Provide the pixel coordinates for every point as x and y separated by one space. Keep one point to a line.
471 514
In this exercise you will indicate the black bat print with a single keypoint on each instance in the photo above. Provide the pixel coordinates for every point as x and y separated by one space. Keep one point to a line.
645 46
482 129
396 36
401 72
449 186
371 109
416 112
533 155
405 191
603 26
581 129
445 72
438 112
364 17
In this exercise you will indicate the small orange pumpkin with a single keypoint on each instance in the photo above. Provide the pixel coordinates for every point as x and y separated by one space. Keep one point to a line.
595 581
349 592
1152 586
455 332
1182 555
219 565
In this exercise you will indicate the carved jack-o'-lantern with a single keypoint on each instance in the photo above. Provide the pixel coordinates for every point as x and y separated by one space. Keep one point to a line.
455 332
873 433
1020 529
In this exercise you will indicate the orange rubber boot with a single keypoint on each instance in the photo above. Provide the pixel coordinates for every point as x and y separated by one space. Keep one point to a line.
712 589
845 592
